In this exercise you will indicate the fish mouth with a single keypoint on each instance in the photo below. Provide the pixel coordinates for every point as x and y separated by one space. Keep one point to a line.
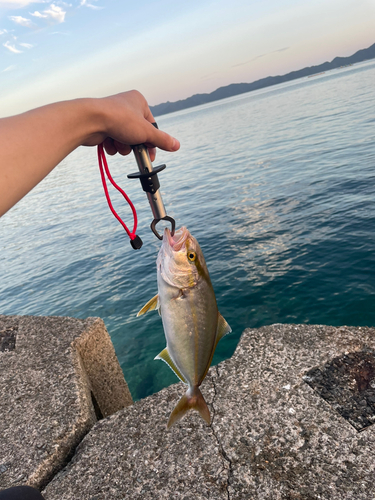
178 240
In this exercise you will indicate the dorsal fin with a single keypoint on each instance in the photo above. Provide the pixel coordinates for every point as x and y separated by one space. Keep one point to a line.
150 306
164 356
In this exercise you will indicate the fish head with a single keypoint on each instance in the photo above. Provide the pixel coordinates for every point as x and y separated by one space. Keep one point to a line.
180 261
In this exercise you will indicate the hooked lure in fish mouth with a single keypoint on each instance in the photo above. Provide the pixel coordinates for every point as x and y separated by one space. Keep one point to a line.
192 323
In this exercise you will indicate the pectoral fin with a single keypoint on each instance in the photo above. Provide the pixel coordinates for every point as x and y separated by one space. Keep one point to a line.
150 306
164 356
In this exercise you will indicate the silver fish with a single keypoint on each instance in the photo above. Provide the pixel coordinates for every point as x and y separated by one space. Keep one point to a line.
192 323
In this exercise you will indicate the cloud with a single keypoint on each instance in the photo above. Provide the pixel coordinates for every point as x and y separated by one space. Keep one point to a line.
90 5
12 48
27 45
8 32
258 57
209 76
38 14
54 13
249 61
22 21
16 4
280 50
9 68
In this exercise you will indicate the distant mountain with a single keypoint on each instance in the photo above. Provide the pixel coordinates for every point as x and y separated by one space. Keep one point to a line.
240 88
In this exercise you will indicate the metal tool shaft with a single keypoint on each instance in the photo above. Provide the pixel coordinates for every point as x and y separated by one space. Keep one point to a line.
145 167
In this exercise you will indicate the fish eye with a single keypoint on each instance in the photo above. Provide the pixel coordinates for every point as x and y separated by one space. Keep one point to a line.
191 256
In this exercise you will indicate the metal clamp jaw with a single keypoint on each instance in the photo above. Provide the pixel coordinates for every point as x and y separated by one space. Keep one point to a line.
150 184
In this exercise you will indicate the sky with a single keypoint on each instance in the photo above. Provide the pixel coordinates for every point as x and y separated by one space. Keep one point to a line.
167 49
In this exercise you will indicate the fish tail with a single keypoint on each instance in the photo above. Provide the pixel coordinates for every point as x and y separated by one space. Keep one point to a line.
192 400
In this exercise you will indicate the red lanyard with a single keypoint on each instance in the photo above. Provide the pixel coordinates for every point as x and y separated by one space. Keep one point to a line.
103 161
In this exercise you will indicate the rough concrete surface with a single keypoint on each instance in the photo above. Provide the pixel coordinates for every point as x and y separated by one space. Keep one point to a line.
272 436
50 395
132 455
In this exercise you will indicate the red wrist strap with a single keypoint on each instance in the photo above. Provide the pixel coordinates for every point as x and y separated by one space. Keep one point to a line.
104 166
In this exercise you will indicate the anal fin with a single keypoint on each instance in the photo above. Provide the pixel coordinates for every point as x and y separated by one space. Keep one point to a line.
164 356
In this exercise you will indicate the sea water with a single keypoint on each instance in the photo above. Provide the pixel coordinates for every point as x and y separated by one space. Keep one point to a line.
277 185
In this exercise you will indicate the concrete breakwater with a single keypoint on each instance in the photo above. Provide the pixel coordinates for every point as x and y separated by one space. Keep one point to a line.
292 417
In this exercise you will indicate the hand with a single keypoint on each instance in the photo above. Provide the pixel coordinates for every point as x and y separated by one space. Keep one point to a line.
34 142
124 120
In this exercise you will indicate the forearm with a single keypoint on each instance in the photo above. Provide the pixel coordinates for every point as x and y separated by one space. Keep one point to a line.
33 143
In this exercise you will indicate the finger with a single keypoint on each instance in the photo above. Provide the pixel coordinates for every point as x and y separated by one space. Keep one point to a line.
109 146
148 115
146 110
123 149
162 140
143 102
152 153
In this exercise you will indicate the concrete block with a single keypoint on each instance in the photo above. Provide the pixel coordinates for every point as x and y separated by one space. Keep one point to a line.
132 455
282 439
272 436
57 376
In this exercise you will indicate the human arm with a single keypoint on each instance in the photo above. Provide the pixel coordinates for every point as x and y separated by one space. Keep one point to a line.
33 143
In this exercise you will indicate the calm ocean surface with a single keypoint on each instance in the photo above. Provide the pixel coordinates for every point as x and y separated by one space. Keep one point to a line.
277 185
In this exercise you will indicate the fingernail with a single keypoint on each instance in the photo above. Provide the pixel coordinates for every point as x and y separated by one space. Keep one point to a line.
152 153
175 145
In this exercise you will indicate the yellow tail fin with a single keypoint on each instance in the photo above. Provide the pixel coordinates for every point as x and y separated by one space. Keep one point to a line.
192 400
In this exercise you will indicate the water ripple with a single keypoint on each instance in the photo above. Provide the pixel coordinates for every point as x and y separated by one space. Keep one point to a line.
278 185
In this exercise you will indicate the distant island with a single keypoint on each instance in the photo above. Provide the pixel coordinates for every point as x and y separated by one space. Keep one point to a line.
240 88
